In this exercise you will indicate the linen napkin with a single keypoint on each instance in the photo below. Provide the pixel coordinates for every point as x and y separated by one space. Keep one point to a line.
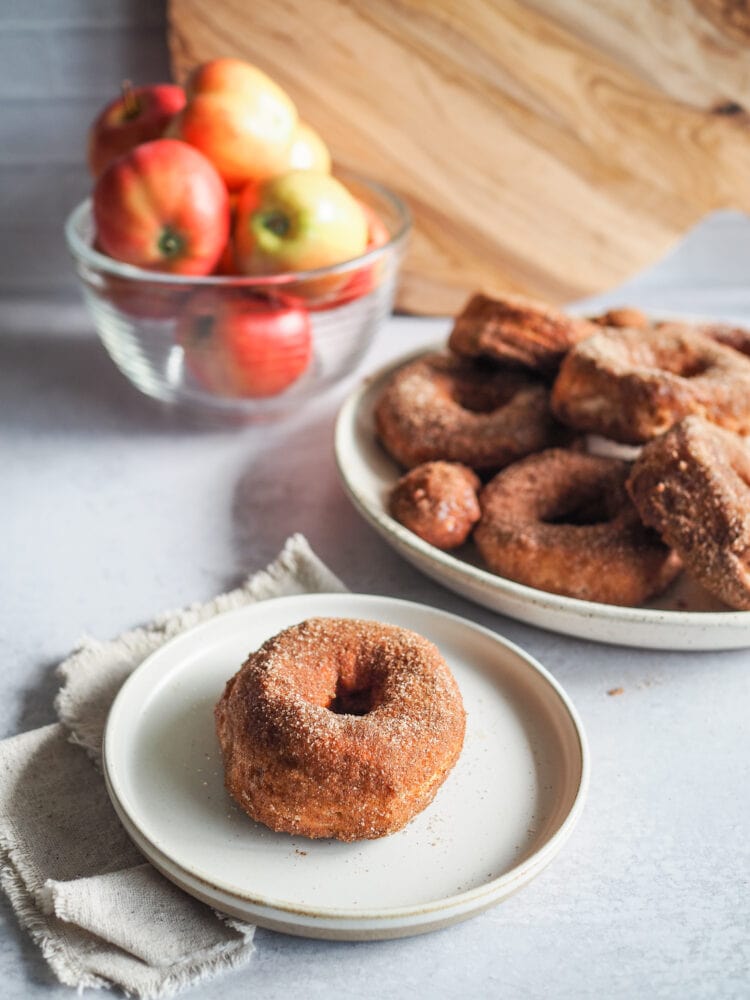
101 915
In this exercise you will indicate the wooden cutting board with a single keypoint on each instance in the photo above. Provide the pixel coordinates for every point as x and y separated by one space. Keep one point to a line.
551 147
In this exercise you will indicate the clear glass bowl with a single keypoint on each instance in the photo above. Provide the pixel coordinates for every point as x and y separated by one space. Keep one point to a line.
150 322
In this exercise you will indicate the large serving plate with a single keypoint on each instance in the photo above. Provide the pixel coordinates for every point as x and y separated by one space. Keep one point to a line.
503 813
685 618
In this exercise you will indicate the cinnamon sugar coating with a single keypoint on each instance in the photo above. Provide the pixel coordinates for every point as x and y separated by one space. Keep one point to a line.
632 385
693 486
736 337
340 728
516 331
437 501
440 407
561 521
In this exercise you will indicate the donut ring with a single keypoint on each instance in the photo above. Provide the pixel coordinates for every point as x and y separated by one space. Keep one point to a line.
561 521
632 385
443 408
340 728
438 502
693 486
723 333
516 331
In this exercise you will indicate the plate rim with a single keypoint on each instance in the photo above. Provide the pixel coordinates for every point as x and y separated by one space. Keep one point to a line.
497 888
345 427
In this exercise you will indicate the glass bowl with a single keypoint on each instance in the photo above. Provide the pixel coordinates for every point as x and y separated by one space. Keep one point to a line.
243 345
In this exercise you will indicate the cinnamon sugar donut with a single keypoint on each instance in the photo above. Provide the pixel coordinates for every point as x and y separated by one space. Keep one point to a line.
631 385
693 486
340 728
516 331
437 501
443 408
561 521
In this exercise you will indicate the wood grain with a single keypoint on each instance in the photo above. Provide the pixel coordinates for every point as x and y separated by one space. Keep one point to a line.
551 148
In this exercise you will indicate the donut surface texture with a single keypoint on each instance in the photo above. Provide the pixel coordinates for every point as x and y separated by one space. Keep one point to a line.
562 521
516 331
632 385
437 501
340 728
693 486
623 316
442 408
736 337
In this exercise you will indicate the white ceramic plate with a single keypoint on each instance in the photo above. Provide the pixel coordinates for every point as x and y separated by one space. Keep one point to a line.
686 617
502 815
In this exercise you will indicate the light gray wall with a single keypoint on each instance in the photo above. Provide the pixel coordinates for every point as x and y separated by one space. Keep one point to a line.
60 61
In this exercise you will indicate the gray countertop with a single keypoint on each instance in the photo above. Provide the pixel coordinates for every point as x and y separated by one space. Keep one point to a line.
113 510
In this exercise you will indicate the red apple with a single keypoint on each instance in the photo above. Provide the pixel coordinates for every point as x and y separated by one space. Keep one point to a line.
238 345
239 118
163 207
138 115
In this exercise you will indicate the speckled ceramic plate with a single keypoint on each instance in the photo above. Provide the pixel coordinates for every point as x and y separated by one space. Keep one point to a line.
502 815
685 617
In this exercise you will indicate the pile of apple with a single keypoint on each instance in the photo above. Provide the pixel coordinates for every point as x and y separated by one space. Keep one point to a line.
223 178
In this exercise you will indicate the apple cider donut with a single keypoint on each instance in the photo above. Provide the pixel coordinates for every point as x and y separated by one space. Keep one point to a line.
443 408
437 501
693 485
632 385
340 728
562 521
516 331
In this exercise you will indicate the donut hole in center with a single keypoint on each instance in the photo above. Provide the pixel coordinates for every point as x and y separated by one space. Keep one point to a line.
483 396
582 515
689 366
580 507
350 700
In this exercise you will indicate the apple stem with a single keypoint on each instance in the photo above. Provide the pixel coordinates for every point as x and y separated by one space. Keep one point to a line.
131 103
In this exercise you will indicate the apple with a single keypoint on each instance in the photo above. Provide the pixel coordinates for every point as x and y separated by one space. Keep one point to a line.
296 222
163 207
239 118
138 115
308 151
239 345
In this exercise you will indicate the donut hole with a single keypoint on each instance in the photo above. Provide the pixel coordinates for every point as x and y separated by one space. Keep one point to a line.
685 365
583 513
483 396
583 504
351 700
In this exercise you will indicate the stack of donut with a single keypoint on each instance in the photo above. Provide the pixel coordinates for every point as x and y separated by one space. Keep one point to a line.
496 433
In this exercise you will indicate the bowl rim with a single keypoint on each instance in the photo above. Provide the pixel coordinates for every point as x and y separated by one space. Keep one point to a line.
86 253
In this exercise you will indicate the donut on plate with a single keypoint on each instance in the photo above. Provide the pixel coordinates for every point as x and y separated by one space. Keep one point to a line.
340 728
561 521
438 502
516 331
443 408
693 486
632 385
